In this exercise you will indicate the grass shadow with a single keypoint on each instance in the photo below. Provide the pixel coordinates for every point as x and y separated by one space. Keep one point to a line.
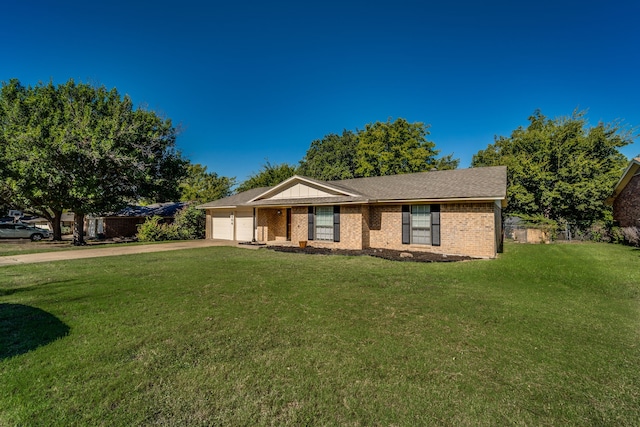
24 328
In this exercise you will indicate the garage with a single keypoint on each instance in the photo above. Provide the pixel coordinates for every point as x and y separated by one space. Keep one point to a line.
222 225
232 225
244 225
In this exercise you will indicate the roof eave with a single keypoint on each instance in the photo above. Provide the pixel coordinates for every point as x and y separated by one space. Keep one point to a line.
217 207
445 200
628 173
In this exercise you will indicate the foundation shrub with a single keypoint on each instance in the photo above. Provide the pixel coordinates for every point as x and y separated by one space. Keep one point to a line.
631 235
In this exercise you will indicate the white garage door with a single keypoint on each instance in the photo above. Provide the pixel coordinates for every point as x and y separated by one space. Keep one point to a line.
222 224
244 225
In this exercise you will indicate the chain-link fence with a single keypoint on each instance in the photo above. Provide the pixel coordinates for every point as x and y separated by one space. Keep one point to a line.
519 230
522 231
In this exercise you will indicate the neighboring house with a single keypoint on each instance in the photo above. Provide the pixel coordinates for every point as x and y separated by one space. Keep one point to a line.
31 220
451 212
125 222
626 196
65 221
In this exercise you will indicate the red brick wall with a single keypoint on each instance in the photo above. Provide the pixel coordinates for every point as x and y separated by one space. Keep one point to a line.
121 227
626 208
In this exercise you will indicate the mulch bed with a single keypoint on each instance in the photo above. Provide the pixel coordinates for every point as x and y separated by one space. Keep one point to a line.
380 253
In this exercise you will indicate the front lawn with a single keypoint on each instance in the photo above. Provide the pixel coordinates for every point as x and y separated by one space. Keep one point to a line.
11 247
544 335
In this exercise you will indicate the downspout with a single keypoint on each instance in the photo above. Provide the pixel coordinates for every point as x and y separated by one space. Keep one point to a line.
254 225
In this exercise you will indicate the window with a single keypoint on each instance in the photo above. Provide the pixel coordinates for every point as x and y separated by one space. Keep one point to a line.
324 223
421 224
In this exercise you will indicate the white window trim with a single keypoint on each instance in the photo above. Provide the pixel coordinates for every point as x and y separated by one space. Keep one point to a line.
411 226
316 225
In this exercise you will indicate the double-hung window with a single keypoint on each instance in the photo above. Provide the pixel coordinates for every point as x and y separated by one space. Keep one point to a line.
421 224
324 223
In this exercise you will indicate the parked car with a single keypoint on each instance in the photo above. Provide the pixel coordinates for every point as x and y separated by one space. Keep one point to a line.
22 231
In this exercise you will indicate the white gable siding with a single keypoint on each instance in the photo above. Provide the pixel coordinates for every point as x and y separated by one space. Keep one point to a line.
300 191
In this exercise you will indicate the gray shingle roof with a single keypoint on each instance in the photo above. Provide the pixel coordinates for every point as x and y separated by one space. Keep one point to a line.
239 199
489 183
167 209
474 183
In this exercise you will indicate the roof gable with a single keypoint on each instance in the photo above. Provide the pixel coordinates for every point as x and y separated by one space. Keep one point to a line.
299 187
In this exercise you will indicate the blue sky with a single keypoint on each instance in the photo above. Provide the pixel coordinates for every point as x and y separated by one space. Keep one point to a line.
252 80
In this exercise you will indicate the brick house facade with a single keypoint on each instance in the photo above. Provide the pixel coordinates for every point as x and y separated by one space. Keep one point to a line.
450 212
626 197
471 229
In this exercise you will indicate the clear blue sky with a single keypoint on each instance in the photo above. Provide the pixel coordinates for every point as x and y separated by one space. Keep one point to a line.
255 80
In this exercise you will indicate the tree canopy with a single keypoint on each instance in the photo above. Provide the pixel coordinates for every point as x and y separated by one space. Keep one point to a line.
397 147
387 148
82 148
268 176
202 186
331 158
561 168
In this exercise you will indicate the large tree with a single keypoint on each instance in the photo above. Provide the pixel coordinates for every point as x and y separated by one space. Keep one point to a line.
83 148
268 176
331 158
397 147
202 186
561 169
388 148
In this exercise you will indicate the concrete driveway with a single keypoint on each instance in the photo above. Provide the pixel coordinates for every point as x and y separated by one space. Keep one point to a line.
113 250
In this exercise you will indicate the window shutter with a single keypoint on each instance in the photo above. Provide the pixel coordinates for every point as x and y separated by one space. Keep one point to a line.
406 224
435 225
311 226
336 223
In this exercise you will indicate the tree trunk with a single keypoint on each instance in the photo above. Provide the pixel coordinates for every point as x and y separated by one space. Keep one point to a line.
78 229
54 217
56 226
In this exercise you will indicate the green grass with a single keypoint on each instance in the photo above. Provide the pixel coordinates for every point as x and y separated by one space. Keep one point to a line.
544 335
10 247
25 246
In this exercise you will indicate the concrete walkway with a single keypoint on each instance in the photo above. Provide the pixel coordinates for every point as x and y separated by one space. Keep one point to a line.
113 250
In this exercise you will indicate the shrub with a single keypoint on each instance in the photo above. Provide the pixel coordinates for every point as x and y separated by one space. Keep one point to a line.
616 235
631 235
153 230
189 223
598 232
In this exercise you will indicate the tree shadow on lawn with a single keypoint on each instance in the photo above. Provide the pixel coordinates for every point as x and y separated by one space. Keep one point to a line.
24 328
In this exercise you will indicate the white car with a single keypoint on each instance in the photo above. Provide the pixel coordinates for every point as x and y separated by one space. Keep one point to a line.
22 231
